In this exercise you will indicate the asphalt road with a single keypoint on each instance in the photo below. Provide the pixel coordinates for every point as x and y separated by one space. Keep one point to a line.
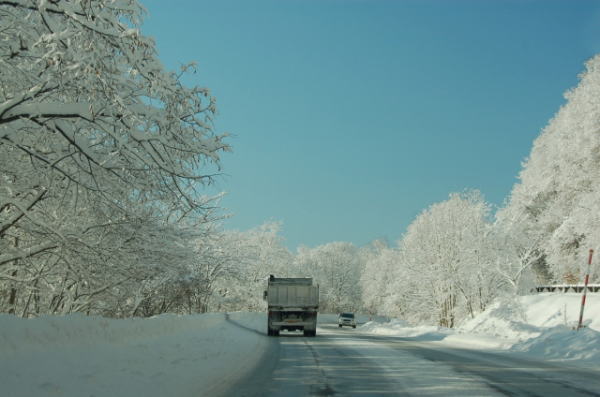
345 362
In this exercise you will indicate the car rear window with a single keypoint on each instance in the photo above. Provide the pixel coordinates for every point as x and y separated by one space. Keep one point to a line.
349 315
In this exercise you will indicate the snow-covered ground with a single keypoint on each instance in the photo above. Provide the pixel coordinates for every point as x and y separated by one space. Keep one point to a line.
191 355
84 356
541 326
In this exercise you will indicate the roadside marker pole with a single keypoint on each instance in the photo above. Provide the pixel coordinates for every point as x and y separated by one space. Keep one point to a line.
585 284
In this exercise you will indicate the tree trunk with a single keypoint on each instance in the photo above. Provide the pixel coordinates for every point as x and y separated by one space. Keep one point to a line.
12 298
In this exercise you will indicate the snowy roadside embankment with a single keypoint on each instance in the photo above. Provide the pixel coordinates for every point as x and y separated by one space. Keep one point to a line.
540 326
77 355
196 355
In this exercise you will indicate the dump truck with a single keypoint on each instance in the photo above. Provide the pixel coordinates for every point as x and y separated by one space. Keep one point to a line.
292 305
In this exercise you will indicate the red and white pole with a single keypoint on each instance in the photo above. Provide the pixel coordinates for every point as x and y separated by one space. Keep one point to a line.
585 284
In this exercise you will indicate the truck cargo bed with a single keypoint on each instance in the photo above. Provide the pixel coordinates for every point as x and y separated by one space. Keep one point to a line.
291 296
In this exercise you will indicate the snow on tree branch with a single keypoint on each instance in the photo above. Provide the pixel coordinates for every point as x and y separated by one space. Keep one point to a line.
100 146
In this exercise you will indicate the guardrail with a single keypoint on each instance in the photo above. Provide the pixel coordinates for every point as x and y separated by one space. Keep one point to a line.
567 288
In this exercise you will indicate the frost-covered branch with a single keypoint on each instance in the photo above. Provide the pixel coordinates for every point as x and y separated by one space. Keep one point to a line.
11 221
28 252
119 146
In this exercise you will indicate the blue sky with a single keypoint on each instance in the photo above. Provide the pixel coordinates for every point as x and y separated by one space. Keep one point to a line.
350 117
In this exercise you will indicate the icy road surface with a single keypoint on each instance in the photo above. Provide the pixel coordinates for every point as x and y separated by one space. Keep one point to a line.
346 362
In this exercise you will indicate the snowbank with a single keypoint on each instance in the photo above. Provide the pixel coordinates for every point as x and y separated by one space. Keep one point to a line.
398 327
540 325
90 356
524 317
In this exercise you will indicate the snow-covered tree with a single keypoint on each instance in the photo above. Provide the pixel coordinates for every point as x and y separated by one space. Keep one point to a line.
253 255
376 277
445 258
102 151
557 197
519 258
337 268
